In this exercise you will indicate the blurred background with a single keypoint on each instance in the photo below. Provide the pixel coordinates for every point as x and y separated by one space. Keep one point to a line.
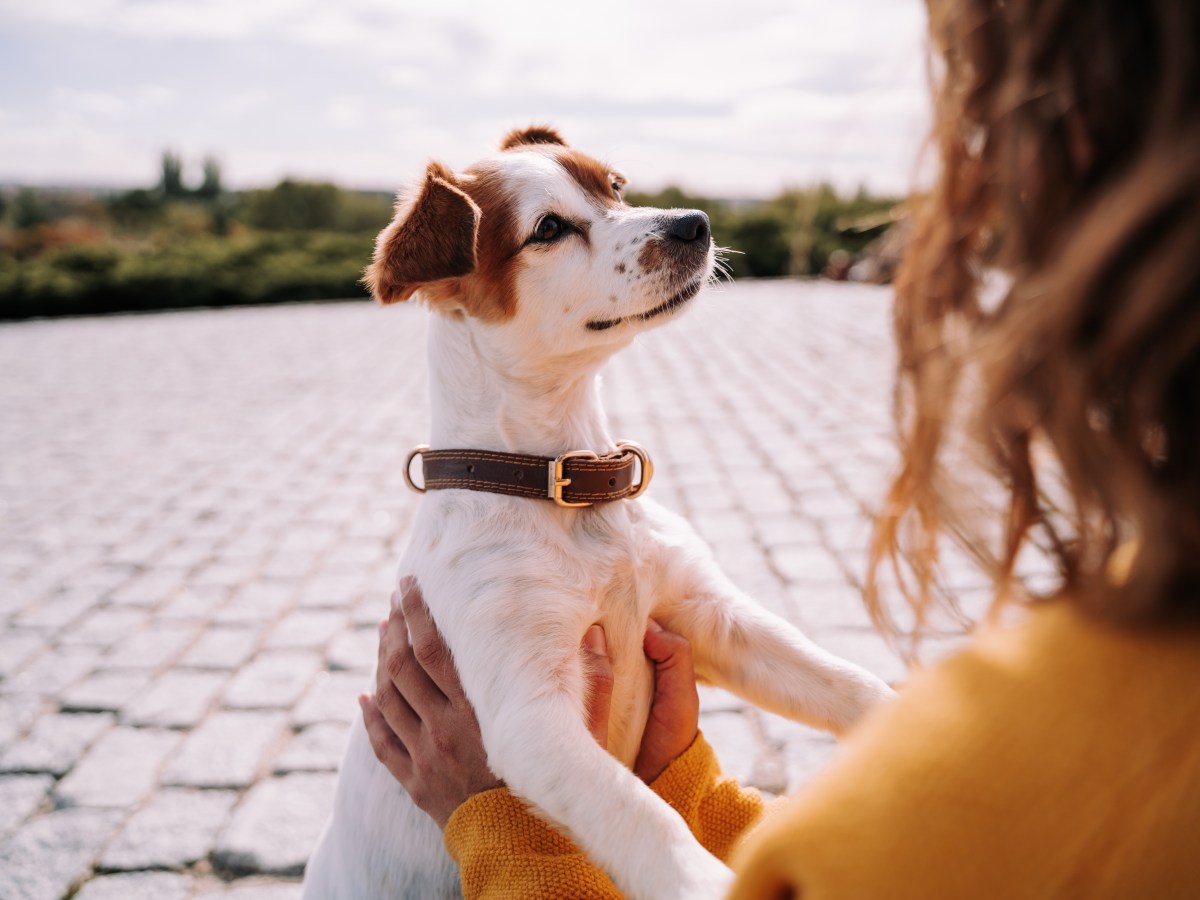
214 152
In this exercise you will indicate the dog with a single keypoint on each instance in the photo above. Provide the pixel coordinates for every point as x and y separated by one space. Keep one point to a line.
536 272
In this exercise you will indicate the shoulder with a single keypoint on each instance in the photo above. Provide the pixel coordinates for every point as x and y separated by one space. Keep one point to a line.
1026 753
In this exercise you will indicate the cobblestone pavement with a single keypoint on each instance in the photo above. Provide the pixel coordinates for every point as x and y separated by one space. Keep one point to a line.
201 517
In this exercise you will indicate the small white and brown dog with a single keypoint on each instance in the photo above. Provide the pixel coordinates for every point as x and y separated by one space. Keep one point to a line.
537 272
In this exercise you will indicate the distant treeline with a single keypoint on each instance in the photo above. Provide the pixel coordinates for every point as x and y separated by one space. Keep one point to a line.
65 252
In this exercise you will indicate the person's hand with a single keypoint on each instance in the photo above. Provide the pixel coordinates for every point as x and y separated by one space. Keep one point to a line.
674 718
421 726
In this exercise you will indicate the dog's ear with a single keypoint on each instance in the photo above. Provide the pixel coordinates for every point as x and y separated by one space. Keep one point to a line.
432 238
535 134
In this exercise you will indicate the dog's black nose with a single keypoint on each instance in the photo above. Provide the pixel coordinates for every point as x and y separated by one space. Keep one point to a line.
690 227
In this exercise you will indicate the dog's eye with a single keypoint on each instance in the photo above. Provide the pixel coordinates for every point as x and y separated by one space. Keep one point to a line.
616 189
549 228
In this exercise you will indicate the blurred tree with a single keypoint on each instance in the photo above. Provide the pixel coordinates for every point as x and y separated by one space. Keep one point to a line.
172 175
138 208
762 236
29 210
303 205
3 205
210 188
360 211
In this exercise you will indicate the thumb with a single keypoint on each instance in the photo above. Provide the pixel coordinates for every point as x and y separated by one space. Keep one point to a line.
672 657
598 671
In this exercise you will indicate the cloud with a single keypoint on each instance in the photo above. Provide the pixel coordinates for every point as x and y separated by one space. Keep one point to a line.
739 100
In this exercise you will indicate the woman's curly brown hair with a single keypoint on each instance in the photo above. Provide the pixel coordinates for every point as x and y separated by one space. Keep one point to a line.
1068 136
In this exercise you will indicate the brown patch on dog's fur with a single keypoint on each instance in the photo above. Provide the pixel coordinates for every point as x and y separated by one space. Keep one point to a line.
654 256
434 241
490 293
457 245
590 174
535 134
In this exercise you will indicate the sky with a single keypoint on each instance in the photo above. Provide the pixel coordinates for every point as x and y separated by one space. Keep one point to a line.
733 99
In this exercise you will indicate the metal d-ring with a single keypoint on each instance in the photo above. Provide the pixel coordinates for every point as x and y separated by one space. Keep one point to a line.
647 465
416 451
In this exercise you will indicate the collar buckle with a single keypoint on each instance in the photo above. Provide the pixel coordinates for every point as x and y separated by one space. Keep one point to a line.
556 482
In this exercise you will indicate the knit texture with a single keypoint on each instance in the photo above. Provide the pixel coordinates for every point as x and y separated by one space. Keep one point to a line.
505 852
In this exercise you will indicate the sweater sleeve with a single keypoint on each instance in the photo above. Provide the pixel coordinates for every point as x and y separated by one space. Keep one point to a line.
505 851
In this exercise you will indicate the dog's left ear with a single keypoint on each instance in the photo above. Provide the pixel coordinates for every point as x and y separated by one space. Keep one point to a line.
432 238
535 134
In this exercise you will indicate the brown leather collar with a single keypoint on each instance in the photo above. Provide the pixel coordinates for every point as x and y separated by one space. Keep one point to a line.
578 478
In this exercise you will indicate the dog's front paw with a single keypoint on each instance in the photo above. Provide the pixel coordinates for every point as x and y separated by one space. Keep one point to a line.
698 877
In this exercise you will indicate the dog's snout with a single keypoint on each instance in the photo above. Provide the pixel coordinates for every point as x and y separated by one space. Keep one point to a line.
690 227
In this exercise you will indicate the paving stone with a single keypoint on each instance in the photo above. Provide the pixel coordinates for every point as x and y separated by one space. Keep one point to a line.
56 743
17 714
715 699
806 564
735 741
229 749
272 680
177 699
137 886
193 603
868 650
51 672
316 748
106 689
119 770
175 829
259 601
276 826
103 627
370 609
224 648
16 648
355 651
336 591
151 588
821 607
254 888
306 629
56 613
153 647
775 529
332 698
20 796
42 859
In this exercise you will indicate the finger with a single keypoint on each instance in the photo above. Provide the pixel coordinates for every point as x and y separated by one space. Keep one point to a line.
397 712
402 672
666 648
389 750
429 648
674 671
598 670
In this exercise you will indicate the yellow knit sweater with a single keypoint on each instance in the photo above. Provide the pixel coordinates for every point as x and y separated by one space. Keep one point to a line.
504 852
1059 759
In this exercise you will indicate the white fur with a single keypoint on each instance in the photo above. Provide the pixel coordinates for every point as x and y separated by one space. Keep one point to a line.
514 583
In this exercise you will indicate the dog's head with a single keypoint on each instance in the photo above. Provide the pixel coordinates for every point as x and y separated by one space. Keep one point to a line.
538 241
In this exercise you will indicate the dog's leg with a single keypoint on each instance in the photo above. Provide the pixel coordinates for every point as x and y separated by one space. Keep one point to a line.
531 713
377 843
738 645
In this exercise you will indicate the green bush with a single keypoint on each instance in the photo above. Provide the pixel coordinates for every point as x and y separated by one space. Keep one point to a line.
204 271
